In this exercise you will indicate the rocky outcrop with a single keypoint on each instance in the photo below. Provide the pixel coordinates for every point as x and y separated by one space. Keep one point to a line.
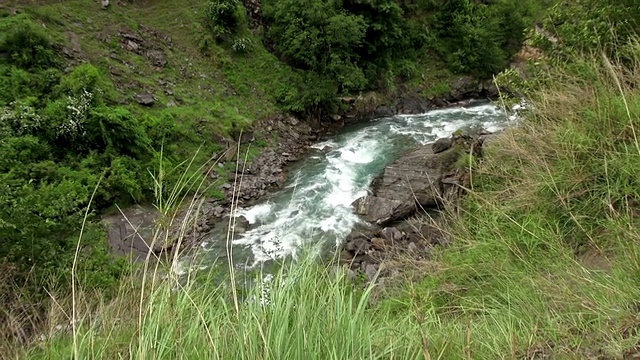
145 99
403 209
254 13
420 179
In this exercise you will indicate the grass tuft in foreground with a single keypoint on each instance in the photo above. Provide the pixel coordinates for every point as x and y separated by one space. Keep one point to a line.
304 311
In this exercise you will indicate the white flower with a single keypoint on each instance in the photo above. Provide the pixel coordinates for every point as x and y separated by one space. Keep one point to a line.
78 107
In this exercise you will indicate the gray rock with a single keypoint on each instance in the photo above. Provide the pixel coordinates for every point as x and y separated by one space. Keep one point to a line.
423 231
68 52
335 117
351 275
241 221
157 57
416 176
451 180
392 234
412 105
463 88
358 246
441 145
371 271
384 111
414 179
382 211
130 45
145 99
363 259
346 256
379 244
412 247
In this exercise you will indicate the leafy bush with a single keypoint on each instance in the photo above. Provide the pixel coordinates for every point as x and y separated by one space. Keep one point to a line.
479 38
241 45
311 95
361 45
318 36
26 44
59 143
222 17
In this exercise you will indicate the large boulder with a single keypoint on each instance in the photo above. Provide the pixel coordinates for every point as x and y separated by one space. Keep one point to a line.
383 111
145 99
411 182
412 104
382 211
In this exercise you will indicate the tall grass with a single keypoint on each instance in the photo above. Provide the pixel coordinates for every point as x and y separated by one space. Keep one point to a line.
545 257
305 311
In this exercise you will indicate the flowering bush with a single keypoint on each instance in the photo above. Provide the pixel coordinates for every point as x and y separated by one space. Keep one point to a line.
78 107
19 118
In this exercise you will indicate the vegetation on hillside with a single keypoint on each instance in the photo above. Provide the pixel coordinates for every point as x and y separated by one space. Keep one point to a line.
344 47
545 262
75 144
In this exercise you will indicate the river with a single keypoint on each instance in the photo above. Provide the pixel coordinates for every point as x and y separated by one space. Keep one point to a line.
313 210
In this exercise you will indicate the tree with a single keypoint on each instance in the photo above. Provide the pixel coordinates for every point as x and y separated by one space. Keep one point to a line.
318 36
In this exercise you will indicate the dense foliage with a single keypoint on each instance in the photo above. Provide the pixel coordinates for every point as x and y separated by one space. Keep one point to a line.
570 30
545 259
222 17
62 137
365 45
60 142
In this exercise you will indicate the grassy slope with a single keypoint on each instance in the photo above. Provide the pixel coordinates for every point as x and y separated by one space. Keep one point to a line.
546 259
546 263
224 86
217 92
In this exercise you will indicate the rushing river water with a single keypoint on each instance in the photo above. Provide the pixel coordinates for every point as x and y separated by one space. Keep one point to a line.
314 207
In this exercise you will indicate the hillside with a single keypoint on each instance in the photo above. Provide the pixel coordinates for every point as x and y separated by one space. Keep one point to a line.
148 103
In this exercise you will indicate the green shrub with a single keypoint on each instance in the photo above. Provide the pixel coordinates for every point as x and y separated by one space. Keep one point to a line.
312 95
26 44
60 141
318 36
222 17
83 78
363 45
479 38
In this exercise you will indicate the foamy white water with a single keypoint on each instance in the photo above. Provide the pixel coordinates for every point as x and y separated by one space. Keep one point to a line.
315 207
